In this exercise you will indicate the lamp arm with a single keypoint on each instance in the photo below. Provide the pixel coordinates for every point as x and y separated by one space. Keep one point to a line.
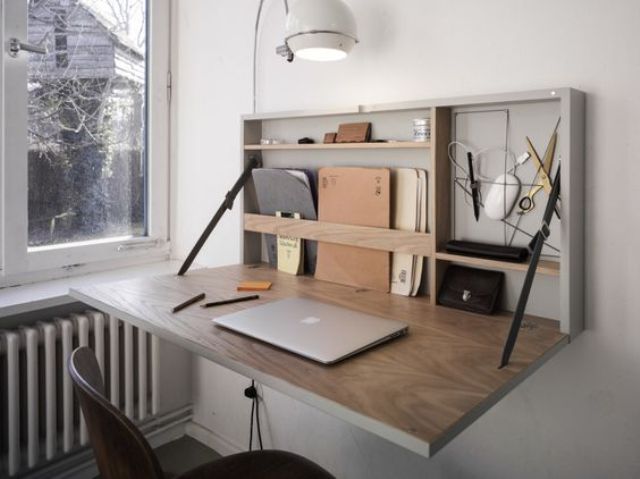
255 52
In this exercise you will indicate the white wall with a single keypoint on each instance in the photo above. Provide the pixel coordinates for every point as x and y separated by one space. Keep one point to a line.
577 417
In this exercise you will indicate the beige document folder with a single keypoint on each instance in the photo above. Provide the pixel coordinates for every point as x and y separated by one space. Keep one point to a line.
405 216
356 196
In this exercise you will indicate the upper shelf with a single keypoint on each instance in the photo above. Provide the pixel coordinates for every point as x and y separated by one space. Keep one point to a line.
406 145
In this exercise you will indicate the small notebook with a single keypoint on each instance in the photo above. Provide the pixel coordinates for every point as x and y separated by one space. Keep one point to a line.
355 196
290 249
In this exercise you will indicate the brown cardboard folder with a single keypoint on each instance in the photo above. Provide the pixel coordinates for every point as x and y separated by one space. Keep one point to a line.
355 196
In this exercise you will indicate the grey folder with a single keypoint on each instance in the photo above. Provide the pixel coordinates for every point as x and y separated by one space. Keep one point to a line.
283 190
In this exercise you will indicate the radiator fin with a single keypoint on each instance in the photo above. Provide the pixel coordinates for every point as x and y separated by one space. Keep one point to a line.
51 430
13 402
66 333
30 337
114 361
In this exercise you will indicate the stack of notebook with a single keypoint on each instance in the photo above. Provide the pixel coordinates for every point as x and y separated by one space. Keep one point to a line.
291 191
376 197
408 213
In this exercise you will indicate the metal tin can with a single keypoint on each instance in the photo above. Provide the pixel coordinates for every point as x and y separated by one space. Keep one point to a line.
422 129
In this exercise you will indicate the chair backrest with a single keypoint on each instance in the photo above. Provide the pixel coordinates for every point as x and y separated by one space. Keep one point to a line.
121 451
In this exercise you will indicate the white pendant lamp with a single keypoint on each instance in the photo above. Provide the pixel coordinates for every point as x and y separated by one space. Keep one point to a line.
320 30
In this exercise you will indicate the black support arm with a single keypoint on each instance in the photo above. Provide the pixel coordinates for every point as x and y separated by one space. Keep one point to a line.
227 204
536 250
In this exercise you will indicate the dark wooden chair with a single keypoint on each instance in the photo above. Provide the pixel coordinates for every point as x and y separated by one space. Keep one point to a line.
122 452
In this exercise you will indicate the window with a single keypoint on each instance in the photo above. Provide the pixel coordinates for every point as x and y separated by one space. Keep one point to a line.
85 151
86 121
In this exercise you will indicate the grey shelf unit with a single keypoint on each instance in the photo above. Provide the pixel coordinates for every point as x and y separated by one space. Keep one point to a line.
570 104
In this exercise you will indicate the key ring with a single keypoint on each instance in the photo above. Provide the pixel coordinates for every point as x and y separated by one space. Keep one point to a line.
526 204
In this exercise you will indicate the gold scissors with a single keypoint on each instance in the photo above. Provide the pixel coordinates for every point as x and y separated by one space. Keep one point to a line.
542 180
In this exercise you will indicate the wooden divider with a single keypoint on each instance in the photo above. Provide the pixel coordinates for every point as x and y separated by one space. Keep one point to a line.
362 236
439 194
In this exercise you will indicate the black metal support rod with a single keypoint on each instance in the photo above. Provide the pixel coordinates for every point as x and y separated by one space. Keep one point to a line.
536 250
227 204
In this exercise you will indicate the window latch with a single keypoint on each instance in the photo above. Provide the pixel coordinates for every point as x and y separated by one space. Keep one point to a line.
16 46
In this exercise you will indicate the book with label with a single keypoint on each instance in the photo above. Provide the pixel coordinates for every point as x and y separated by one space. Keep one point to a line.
290 249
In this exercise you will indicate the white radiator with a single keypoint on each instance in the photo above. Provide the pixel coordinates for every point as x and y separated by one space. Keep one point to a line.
40 419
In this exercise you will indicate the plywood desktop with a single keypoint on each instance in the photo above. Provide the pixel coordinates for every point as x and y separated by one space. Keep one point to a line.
418 391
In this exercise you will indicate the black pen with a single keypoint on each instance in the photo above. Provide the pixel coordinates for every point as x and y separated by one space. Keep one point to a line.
475 194
188 302
230 301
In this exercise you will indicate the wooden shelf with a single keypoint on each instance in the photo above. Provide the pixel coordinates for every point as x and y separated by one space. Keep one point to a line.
432 155
550 268
410 145
362 236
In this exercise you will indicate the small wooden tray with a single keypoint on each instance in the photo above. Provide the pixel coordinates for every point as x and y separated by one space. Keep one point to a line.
354 133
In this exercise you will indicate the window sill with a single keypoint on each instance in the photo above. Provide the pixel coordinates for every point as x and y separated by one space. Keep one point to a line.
47 294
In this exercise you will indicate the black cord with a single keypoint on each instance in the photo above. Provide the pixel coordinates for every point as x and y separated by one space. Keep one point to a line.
257 403
251 427
252 393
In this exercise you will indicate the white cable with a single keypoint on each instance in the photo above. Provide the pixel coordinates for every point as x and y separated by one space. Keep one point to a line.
477 156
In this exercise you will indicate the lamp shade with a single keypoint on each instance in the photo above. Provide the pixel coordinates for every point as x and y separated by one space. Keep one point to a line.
321 30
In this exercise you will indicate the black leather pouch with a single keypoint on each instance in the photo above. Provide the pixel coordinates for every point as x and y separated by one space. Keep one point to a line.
471 289
491 251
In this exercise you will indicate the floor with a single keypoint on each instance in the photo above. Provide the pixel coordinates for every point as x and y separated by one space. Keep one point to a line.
182 455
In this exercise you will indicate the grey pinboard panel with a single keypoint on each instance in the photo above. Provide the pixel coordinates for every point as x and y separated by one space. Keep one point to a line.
489 131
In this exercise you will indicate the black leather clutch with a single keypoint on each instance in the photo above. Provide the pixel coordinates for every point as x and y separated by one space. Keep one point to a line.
491 251
471 289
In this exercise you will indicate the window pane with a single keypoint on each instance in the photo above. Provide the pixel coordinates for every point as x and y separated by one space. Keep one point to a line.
87 122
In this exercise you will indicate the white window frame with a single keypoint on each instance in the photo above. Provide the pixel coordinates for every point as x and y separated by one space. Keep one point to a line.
22 264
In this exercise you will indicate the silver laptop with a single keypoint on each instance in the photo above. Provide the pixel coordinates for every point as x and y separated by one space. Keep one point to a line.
315 330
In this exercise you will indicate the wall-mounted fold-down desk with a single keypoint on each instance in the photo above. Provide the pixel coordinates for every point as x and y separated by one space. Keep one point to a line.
421 390
418 391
